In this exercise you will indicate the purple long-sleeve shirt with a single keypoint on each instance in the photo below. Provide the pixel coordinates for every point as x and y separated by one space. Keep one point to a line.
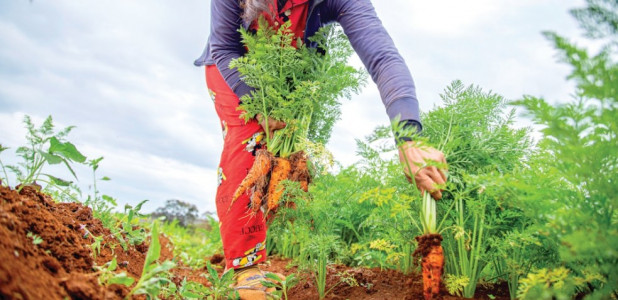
359 22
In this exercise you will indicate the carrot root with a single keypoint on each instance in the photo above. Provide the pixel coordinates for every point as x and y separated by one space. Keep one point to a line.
304 185
259 191
300 172
280 172
261 167
432 263
432 267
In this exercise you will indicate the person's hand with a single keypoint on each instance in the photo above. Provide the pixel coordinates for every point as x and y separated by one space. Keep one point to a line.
414 159
272 125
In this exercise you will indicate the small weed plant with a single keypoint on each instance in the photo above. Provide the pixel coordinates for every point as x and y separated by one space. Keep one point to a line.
221 286
45 147
108 276
283 285
154 275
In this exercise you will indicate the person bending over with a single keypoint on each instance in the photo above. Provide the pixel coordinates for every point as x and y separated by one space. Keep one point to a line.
244 238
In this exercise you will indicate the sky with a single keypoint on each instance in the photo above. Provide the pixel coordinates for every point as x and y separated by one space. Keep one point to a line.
121 72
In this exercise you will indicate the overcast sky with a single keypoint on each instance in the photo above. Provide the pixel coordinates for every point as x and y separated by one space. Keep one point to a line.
121 72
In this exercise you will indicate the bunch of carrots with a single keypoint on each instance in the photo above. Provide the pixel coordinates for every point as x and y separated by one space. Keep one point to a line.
296 85
265 178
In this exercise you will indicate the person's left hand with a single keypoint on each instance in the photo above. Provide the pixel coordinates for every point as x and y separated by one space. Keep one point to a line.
427 178
272 125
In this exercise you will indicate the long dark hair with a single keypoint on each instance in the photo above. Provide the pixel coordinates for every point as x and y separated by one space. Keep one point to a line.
254 8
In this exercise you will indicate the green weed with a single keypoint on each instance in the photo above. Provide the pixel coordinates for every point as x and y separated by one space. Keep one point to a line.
35 238
153 278
107 276
221 286
282 285
45 147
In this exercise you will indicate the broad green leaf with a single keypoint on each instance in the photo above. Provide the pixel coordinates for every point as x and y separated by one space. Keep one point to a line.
51 158
154 251
269 284
138 207
273 277
165 266
112 264
227 276
214 277
121 278
66 150
190 294
109 199
57 181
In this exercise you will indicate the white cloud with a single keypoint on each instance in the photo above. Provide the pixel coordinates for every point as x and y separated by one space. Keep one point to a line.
446 18
121 71
138 175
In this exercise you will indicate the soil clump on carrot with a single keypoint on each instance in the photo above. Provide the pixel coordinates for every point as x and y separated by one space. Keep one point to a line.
425 243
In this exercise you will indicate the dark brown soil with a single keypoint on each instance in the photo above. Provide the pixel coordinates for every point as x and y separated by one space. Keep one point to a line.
371 284
61 266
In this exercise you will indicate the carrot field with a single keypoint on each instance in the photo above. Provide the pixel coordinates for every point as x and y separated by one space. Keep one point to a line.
528 212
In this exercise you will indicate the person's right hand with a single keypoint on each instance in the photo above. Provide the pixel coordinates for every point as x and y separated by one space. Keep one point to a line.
427 178
272 125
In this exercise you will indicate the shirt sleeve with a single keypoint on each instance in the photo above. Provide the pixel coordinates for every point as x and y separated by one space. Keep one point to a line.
378 53
225 41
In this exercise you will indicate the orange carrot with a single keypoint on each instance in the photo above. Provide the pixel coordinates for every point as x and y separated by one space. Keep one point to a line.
256 200
261 167
257 197
280 172
432 263
304 185
432 266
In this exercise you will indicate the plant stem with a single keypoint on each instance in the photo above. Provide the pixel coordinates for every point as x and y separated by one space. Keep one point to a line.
6 176
265 114
321 274
406 267
428 214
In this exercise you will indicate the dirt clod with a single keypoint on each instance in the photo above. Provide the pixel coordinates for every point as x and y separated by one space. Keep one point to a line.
425 242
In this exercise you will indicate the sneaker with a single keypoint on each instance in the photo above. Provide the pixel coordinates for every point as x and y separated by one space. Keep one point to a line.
249 284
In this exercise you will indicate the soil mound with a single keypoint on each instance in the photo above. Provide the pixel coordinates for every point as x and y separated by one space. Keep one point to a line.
43 253
45 250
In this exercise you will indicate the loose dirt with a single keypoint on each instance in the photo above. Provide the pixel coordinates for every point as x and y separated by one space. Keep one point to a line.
58 267
61 265
369 284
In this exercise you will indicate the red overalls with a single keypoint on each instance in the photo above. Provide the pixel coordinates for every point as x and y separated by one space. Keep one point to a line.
243 236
